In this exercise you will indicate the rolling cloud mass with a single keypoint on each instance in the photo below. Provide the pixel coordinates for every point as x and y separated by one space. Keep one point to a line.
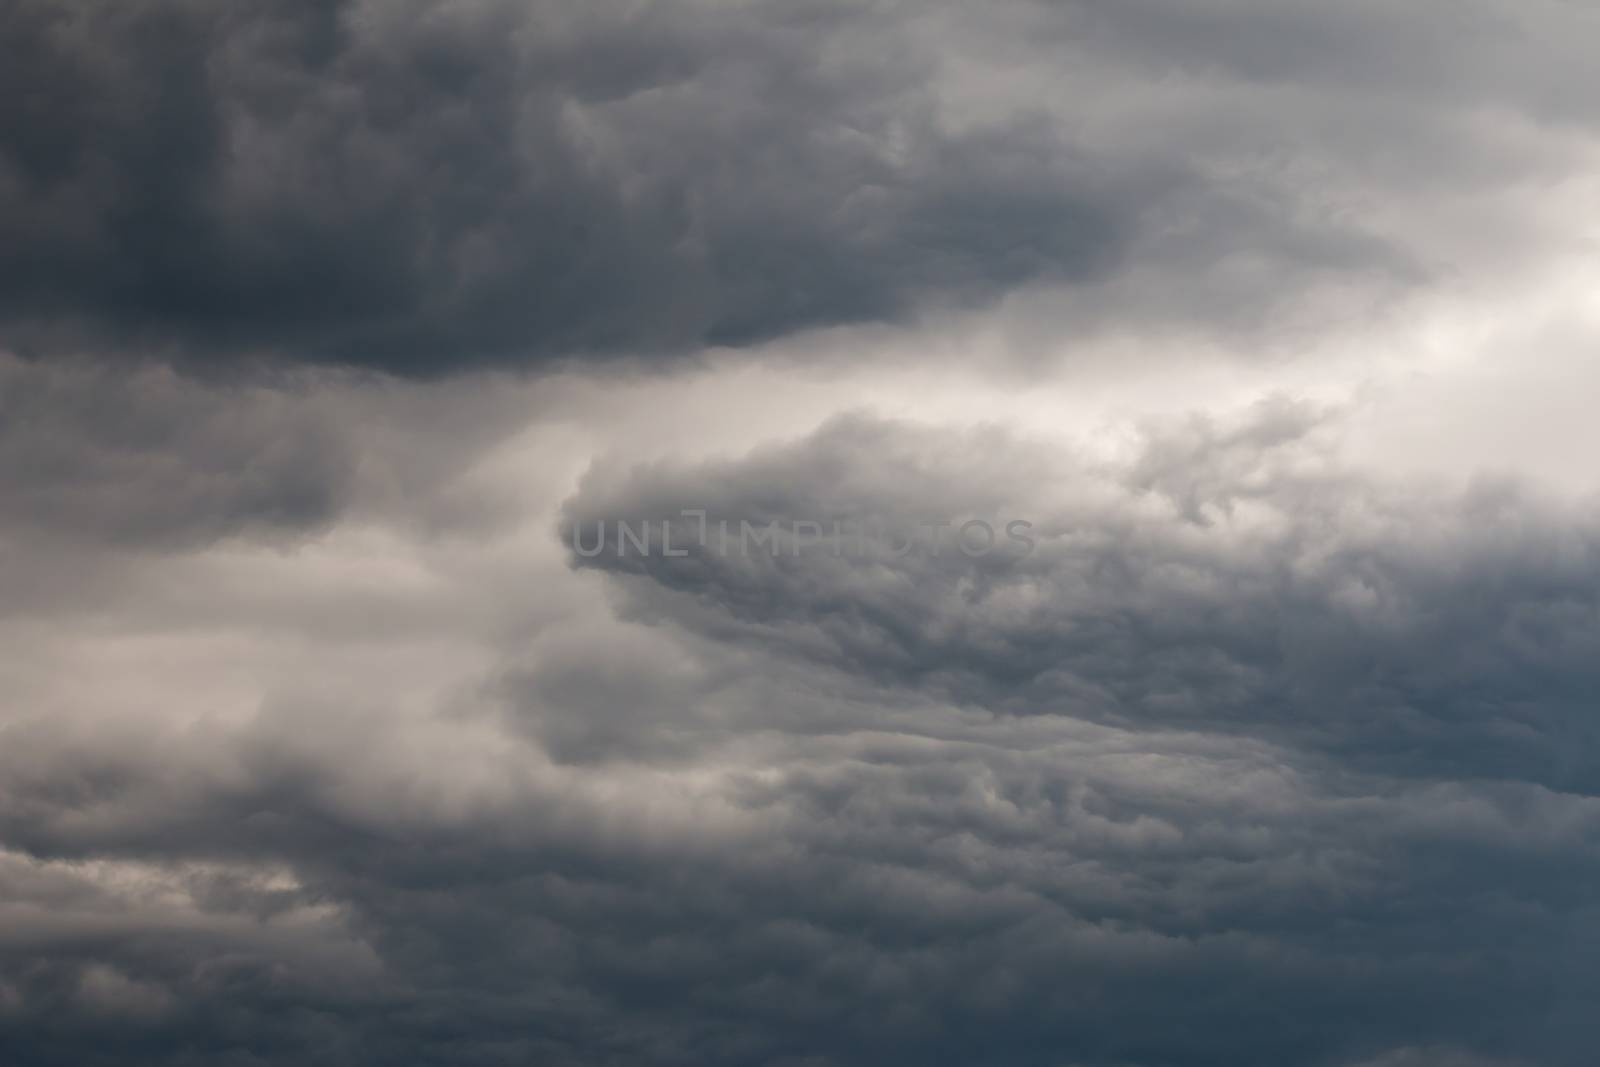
340 723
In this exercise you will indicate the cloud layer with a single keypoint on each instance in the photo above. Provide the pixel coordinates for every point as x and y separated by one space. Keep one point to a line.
326 328
420 187
1255 759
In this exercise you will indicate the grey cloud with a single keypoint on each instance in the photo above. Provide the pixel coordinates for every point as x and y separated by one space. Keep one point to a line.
1229 577
149 458
425 189
958 890
98 456
1256 760
1477 51
1436 1057
1146 796
416 189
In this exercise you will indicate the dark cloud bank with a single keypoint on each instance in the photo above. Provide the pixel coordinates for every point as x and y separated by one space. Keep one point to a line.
1249 762
1214 584
418 187
411 187
1254 761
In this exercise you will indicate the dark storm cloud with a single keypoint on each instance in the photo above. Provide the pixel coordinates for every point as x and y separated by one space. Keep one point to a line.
945 889
1230 577
846 812
97 456
415 187
1433 51
144 458
1255 760
418 187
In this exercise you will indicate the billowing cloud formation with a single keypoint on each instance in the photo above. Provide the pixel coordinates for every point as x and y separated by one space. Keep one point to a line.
1230 576
411 186
1255 759
1271 746
420 187
95 454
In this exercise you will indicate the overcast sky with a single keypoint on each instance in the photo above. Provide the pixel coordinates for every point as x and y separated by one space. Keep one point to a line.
330 330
